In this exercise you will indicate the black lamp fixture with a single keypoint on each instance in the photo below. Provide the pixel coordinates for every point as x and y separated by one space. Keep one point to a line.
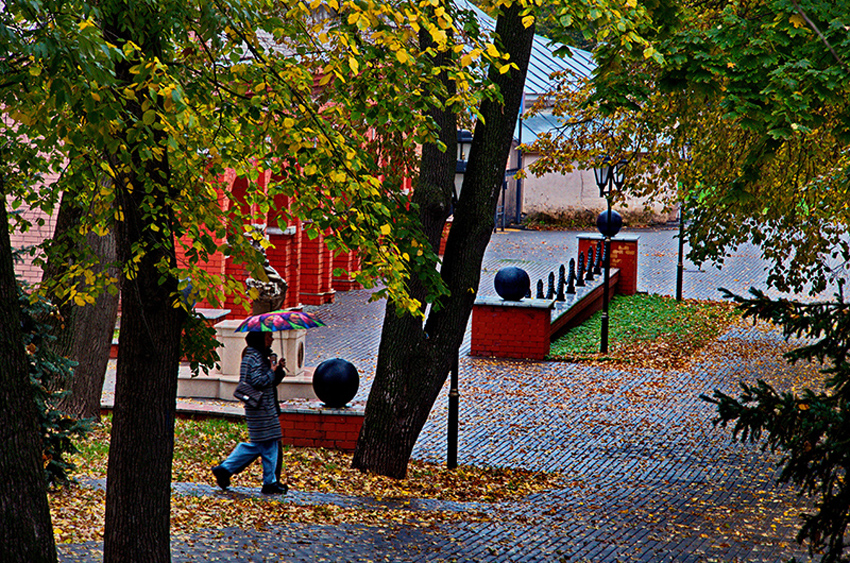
608 177
464 143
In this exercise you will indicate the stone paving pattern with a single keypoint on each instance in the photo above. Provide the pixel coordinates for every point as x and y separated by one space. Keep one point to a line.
648 477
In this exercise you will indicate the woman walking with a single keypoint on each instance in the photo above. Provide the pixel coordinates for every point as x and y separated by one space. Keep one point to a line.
258 370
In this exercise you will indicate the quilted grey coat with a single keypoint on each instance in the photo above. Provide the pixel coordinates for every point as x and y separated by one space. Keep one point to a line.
263 421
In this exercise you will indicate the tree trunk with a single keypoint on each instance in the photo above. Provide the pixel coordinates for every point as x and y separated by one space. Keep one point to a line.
414 361
138 491
86 336
26 533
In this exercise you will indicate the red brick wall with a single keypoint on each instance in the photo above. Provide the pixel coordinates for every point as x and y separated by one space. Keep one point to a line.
294 256
444 237
510 332
34 236
624 255
350 262
316 267
310 428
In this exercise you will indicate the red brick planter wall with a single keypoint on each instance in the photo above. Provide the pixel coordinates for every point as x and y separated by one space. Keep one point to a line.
624 255
324 428
516 330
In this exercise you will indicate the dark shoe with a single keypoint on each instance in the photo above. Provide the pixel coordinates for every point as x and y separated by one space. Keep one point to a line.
222 476
275 489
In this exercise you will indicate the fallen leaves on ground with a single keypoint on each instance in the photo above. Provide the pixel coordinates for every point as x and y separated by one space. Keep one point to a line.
200 444
674 349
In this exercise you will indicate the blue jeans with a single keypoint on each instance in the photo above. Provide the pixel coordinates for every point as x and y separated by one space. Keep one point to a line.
246 452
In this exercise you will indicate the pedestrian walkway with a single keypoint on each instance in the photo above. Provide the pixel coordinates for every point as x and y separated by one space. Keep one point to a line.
647 476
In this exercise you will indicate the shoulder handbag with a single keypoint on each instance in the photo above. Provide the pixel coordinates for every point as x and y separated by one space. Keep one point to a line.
248 394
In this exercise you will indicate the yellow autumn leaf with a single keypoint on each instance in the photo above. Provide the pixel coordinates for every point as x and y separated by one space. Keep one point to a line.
385 230
527 21
797 21
492 51
402 56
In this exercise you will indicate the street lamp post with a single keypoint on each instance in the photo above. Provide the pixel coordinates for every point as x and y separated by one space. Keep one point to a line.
464 141
680 267
608 176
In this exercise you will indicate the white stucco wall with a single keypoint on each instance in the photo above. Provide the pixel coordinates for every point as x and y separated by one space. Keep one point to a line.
556 194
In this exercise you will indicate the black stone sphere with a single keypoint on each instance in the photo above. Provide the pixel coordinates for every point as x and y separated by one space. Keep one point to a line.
609 228
335 382
512 284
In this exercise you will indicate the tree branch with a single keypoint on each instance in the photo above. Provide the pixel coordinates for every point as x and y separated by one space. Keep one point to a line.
821 35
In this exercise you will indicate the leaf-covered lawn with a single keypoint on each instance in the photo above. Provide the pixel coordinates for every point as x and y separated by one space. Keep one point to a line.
648 331
200 444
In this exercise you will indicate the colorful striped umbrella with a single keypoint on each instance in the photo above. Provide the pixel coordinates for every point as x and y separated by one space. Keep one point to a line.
279 320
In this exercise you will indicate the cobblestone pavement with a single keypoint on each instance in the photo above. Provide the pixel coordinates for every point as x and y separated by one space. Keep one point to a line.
647 476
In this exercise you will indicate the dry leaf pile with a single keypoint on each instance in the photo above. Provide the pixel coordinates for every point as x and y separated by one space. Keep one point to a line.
78 510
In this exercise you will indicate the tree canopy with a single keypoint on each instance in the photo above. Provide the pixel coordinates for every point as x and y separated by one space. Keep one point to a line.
738 111
758 93
141 107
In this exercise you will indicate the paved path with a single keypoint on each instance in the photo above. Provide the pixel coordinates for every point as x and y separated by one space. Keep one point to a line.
648 478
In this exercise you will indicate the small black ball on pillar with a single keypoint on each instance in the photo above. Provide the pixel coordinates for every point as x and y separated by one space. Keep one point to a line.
609 227
512 284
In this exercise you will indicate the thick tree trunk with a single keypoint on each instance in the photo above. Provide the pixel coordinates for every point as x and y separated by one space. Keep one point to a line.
138 490
93 327
87 333
26 533
414 361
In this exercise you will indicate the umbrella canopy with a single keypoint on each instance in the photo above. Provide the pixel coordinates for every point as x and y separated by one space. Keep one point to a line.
279 320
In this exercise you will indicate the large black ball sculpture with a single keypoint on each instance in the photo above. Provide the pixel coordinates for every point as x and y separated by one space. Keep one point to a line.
512 284
335 382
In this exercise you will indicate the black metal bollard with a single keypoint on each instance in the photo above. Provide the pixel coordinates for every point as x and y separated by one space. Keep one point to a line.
590 264
580 274
540 289
599 259
550 294
561 282
571 280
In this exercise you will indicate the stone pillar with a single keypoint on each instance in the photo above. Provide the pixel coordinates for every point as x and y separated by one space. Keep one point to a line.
288 344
